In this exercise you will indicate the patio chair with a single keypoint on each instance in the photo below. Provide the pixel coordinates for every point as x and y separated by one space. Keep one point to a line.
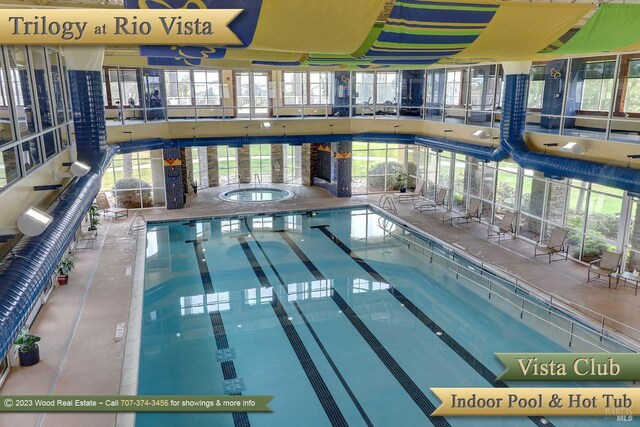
105 207
556 245
605 266
505 226
415 194
440 201
472 213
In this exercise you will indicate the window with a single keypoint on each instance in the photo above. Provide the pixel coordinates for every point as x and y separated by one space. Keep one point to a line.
110 87
9 170
320 87
597 86
261 162
536 86
632 96
207 87
295 88
178 87
364 87
130 87
4 97
386 87
454 87
293 164
227 165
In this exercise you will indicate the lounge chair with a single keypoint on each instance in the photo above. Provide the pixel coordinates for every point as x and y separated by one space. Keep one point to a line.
471 214
105 207
555 245
440 201
505 226
417 193
605 266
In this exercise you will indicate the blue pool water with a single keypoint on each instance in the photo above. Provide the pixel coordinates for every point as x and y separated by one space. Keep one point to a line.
342 324
256 195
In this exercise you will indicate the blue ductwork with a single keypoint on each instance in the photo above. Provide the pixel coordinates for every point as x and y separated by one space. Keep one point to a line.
23 276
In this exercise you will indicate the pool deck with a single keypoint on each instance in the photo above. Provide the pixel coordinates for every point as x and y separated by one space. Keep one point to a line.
81 355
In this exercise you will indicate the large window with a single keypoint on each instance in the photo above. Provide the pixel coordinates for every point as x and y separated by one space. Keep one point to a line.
294 87
207 87
227 165
632 95
260 163
364 87
135 180
454 87
536 87
293 164
597 87
130 87
320 87
178 87
386 87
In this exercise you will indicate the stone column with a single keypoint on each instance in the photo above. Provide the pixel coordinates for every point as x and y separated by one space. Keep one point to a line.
212 166
188 169
306 164
342 156
277 163
244 164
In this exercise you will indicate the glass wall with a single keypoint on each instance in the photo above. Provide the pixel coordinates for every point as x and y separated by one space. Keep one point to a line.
135 180
228 165
260 163
293 164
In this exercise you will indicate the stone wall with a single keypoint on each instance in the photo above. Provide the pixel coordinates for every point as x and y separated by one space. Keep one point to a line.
277 163
244 164
212 166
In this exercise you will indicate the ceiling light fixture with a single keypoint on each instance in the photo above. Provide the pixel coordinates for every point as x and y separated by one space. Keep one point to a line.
573 147
549 144
632 156
481 134
265 125
33 222
76 170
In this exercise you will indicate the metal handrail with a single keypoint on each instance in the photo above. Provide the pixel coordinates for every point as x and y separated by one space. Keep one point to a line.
387 203
137 217
257 180
547 301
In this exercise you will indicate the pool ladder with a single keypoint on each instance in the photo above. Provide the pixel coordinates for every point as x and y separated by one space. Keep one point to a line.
386 203
138 223
257 180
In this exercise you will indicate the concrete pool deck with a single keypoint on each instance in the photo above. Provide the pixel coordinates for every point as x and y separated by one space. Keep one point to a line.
81 355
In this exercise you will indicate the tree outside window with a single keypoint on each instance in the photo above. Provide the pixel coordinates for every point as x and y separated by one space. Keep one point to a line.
207 87
178 87
632 96
295 88
536 87
597 86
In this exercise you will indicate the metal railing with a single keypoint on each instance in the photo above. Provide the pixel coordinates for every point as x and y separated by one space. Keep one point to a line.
138 223
579 325
257 180
386 203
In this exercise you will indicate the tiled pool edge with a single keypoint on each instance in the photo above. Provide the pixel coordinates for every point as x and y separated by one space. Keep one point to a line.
131 363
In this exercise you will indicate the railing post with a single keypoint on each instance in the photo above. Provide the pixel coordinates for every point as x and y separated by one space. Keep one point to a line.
602 328
522 308
489 289
550 303
571 334
516 285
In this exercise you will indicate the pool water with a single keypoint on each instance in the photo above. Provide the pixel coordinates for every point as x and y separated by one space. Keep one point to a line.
341 323
256 195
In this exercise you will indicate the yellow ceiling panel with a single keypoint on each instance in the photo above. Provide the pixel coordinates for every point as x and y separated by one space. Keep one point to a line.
327 26
518 31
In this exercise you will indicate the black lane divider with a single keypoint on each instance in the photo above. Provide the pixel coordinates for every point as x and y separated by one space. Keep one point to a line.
240 419
308 366
324 351
470 359
412 389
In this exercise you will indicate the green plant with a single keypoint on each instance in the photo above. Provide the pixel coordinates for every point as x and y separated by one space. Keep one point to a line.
401 181
377 175
66 265
94 217
26 340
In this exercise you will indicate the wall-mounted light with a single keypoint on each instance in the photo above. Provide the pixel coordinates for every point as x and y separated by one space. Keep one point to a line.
549 144
481 134
76 169
331 126
33 222
573 147
130 135
446 131
265 125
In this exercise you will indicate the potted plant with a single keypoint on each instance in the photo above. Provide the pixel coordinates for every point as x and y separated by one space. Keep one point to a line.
194 185
28 352
94 217
401 182
65 266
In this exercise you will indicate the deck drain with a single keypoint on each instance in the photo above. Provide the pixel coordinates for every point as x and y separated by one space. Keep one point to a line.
235 385
225 354
119 331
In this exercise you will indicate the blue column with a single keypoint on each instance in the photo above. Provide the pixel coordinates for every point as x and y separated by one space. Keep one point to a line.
514 107
87 100
173 178
342 95
554 78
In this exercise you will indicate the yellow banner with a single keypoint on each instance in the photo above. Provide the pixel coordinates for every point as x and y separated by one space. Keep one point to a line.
614 402
121 27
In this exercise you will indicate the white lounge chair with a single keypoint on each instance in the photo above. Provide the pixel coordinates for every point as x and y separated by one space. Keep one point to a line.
555 245
105 207
605 266
505 226
440 201
417 193
470 215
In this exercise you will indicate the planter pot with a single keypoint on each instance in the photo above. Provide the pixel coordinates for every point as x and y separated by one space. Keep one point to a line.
63 279
29 358
403 189
92 228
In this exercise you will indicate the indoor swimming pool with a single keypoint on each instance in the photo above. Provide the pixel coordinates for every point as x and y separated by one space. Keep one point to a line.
345 317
